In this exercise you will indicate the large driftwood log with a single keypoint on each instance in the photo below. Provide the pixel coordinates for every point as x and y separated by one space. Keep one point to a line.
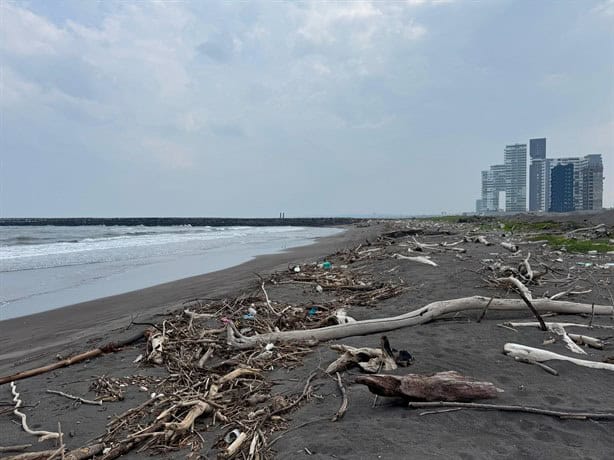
442 386
422 315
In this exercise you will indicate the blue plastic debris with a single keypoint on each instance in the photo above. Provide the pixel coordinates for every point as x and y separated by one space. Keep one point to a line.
312 311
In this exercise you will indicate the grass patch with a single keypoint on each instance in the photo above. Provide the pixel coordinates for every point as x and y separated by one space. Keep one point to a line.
459 219
532 226
581 246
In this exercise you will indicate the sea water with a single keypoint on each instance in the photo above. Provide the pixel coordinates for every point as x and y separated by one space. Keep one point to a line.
47 267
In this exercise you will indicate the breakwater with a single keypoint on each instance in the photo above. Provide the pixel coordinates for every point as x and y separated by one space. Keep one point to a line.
194 221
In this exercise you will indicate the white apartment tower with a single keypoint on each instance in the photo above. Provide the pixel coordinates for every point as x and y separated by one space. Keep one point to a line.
515 156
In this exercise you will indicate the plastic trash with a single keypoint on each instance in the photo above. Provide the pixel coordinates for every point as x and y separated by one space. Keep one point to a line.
327 265
312 311
248 316
584 264
231 436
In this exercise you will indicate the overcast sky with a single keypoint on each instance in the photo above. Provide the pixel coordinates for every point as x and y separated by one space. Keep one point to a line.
249 109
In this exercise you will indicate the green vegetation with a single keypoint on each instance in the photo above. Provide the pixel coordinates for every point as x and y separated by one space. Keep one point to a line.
459 219
571 245
520 226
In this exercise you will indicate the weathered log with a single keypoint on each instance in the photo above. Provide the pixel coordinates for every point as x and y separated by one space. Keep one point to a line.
422 315
442 386
419 259
82 453
536 354
108 348
509 246
481 239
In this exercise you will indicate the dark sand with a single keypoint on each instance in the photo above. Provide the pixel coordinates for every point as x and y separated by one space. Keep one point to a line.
31 337
387 431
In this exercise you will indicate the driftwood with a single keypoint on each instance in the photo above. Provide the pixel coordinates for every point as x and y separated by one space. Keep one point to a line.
419 259
525 295
108 348
509 246
530 410
585 229
42 435
82 453
368 359
198 408
548 369
446 386
422 315
481 239
569 343
438 247
344 404
569 292
15 448
525 268
536 354
76 398
559 328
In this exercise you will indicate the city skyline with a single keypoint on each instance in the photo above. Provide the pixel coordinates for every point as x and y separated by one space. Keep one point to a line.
554 184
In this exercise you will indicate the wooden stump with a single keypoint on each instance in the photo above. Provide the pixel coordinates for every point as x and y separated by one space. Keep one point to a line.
442 386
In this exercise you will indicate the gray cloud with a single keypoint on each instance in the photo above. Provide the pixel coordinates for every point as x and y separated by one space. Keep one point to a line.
219 47
322 108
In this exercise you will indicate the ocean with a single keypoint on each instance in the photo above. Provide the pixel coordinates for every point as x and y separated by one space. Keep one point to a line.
47 267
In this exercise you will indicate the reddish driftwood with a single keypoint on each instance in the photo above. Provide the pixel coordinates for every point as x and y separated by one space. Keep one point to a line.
82 453
108 348
442 386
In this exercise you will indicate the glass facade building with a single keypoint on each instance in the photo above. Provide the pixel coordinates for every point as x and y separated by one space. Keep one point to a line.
515 157
537 189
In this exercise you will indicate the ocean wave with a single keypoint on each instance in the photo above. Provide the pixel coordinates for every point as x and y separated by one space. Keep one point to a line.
129 243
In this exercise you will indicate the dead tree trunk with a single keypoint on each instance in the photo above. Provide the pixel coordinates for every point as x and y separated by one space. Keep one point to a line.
442 386
419 316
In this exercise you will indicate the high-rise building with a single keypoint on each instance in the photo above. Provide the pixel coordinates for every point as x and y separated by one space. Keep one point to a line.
592 182
479 208
537 148
537 189
515 156
587 181
493 182
562 188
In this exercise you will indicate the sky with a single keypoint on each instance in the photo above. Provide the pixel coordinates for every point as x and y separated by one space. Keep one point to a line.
122 108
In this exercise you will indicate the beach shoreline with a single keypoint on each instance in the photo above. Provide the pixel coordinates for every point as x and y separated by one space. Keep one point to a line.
102 318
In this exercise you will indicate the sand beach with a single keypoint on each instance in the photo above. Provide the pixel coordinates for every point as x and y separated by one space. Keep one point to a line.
367 278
